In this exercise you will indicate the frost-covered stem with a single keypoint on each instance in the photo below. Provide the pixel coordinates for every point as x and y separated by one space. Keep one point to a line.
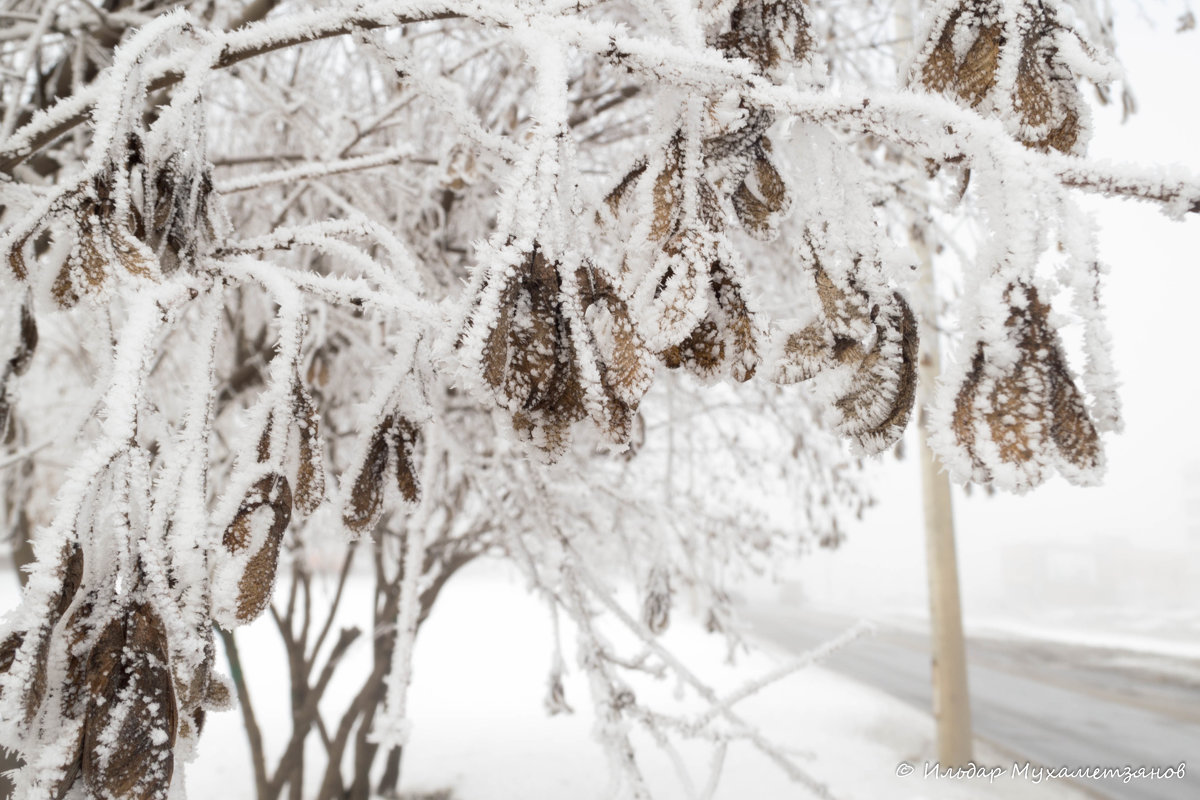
804 661
1179 195
32 44
601 593
324 169
611 728
254 40
391 731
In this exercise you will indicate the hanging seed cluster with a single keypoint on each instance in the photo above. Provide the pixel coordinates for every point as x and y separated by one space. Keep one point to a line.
120 233
394 442
773 34
1018 409
559 345
690 303
1007 60
253 536
863 346
98 687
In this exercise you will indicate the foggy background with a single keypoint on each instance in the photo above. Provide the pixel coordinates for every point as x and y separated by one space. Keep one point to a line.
1123 557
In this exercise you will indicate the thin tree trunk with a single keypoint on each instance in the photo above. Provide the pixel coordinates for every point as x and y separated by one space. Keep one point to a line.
951 701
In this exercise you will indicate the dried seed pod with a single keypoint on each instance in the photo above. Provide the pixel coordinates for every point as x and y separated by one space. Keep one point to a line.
258 527
738 326
547 423
535 337
625 365
726 339
876 408
939 69
406 438
556 696
9 648
667 193
310 472
671 300
23 355
181 213
805 353
70 576
624 362
1071 426
365 502
864 347
770 33
762 196
131 723
702 353
619 192
16 256
521 350
656 607
977 73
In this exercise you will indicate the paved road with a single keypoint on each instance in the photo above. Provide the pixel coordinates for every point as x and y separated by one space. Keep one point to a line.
1055 705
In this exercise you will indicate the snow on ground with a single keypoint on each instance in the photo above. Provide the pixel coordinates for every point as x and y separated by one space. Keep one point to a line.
480 727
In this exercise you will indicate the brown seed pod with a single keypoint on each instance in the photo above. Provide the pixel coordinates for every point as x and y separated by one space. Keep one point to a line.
23 356
366 495
617 196
269 504
877 407
702 353
535 339
672 296
182 220
656 606
805 353
762 195
770 33
131 725
521 351
310 472
406 438
625 363
940 69
9 648
102 244
667 193
16 257
70 575
736 323
977 73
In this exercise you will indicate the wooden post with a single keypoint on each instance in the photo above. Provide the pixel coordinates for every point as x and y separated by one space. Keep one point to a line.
951 702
